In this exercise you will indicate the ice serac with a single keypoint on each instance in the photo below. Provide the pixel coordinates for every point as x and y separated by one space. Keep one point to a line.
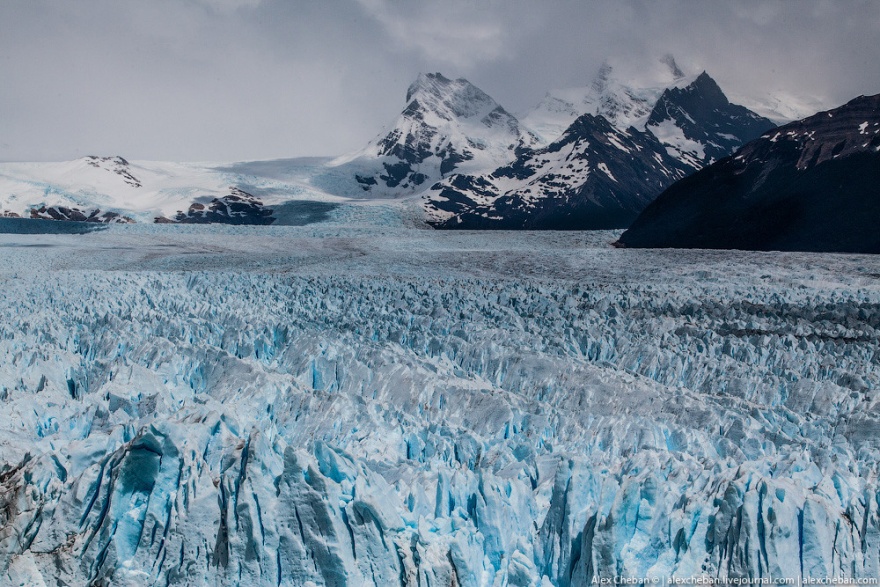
810 185
447 125
609 164
425 429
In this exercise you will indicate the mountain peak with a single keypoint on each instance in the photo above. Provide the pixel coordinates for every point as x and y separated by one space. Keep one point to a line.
622 92
615 74
115 164
699 123
709 88
447 124
433 83
447 98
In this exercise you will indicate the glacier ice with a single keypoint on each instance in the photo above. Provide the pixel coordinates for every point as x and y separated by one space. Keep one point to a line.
390 407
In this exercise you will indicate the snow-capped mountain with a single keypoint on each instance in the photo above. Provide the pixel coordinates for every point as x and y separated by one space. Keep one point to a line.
689 114
606 168
450 132
113 189
447 125
237 207
100 188
623 99
699 125
809 185
595 176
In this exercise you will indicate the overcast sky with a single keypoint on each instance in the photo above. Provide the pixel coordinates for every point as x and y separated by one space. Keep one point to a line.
259 79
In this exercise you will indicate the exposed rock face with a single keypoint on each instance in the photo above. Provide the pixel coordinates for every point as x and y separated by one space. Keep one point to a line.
811 185
112 189
117 165
239 207
77 215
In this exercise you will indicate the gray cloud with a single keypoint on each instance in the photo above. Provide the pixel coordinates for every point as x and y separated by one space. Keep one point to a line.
246 79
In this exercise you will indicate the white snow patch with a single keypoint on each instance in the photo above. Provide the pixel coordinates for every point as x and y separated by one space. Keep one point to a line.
677 145
606 171
614 140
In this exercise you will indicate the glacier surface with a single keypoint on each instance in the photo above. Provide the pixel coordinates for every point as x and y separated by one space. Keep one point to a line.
369 405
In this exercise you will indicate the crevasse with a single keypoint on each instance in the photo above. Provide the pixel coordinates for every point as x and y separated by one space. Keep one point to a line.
242 429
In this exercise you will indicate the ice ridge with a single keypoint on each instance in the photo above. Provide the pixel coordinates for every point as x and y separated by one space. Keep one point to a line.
245 429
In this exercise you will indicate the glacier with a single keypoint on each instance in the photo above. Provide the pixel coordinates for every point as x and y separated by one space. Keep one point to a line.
344 404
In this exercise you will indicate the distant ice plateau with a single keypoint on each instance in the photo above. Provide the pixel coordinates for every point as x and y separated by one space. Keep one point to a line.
341 404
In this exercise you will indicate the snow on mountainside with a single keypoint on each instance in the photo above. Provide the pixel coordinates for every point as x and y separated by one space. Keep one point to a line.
605 169
238 207
112 189
142 190
699 125
424 409
447 125
623 99
689 114
595 176
809 185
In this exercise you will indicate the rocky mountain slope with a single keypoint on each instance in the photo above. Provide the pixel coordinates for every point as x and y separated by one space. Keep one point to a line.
699 125
596 176
811 185
622 141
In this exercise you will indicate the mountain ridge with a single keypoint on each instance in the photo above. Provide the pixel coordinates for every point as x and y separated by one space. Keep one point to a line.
810 185
607 174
